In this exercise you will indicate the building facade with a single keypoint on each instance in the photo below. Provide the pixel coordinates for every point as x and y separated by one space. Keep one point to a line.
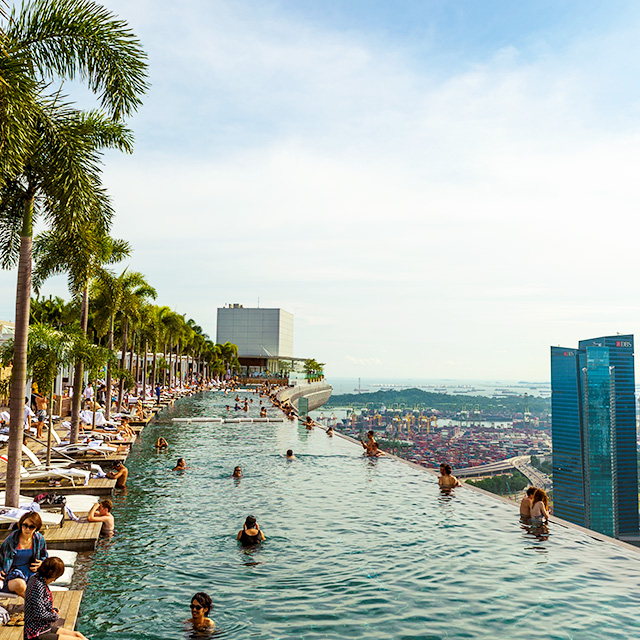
595 477
264 337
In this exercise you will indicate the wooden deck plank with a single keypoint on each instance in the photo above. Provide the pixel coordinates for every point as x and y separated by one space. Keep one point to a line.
68 603
71 536
96 487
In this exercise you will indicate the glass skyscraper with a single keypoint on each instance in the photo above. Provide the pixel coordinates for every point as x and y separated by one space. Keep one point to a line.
595 469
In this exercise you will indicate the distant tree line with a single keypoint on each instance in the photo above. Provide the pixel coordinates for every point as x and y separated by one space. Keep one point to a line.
442 401
502 485
546 466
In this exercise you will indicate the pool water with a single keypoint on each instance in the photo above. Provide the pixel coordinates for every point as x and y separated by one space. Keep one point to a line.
356 547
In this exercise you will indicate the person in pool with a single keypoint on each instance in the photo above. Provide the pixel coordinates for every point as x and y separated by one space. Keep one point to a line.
200 609
161 443
250 532
330 431
21 553
290 455
539 506
181 465
368 446
527 503
447 481
120 474
237 472
101 512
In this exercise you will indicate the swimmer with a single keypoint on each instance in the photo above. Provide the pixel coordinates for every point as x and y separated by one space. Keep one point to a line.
181 465
540 506
161 443
263 412
101 512
237 473
368 446
447 481
120 475
200 609
527 503
308 422
330 431
250 532
290 455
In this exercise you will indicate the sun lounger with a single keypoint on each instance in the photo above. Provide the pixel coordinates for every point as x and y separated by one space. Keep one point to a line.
9 515
42 474
96 447
59 464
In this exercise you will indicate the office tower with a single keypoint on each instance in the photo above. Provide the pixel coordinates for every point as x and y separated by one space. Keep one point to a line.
595 474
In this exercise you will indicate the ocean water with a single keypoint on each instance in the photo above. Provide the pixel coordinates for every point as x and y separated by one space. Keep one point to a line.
356 548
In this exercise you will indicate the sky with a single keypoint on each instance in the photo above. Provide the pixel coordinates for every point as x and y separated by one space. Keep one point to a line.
434 188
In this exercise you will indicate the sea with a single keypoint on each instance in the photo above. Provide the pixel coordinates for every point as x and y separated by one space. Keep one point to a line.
490 388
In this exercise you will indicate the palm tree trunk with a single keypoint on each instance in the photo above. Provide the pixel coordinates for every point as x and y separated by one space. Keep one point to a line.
153 369
78 373
123 355
144 373
164 372
19 371
107 411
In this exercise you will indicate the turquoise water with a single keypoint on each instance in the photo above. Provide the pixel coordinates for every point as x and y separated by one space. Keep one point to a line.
356 548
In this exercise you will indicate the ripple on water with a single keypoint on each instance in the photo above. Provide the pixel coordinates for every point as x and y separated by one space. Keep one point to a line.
356 548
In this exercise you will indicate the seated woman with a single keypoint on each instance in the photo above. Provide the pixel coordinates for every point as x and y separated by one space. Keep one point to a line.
446 480
200 608
22 553
161 443
539 507
40 617
181 465
250 533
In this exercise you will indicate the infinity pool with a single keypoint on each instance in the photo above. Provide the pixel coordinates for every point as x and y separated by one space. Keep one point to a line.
356 548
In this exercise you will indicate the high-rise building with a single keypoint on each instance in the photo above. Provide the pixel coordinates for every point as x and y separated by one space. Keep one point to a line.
595 470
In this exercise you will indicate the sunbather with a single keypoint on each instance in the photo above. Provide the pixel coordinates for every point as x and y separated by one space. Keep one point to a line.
22 553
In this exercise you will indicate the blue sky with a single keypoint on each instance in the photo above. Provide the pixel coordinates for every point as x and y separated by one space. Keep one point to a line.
433 189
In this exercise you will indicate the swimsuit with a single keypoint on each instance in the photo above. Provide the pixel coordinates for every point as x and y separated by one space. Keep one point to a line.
246 539
19 567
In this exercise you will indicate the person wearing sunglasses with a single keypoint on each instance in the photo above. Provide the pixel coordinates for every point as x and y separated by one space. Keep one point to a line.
200 608
22 553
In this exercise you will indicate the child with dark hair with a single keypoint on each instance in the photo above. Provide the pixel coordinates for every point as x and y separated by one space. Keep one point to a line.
41 620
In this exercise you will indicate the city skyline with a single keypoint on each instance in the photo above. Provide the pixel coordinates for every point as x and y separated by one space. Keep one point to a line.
420 184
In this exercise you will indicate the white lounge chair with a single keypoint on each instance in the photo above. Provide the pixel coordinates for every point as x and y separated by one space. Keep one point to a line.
10 515
72 475
97 447
58 464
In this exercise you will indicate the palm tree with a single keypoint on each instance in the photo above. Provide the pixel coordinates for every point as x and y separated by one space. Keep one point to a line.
82 255
41 41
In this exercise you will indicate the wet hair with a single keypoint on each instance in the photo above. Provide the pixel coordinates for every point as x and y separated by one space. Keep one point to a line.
447 469
107 504
237 468
51 568
204 600
250 522
541 496
180 461
531 491
289 452
35 518
118 464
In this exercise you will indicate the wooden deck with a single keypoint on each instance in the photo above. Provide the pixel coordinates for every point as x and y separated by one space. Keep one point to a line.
67 603
96 487
71 536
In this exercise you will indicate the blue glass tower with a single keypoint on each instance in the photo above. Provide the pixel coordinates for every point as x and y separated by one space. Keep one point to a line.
595 476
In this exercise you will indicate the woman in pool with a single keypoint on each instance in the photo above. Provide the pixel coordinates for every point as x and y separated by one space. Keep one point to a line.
41 621
162 443
540 506
181 465
446 480
22 553
250 533
200 608
237 472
